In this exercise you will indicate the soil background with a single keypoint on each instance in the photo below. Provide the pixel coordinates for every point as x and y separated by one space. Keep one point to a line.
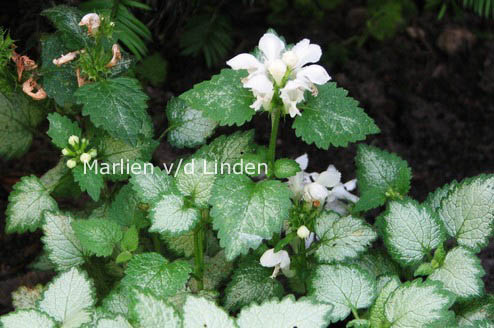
433 103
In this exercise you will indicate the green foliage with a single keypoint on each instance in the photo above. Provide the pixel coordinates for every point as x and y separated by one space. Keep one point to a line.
187 126
207 34
381 176
241 213
61 129
97 236
128 29
388 17
153 69
116 105
6 48
18 120
332 118
223 98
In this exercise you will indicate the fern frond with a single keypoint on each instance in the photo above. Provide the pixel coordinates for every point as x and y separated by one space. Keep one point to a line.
208 35
483 8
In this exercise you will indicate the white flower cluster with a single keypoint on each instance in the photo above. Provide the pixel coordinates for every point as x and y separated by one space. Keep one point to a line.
77 151
325 187
281 69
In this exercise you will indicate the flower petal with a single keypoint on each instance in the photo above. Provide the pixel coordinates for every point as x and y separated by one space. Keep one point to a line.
285 260
314 73
329 178
244 61
270 258
339 192
306 52
315 191
303 161
271 46
351 185
259 83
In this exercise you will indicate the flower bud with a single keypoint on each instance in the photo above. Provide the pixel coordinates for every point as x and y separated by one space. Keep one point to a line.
290 59
73 140
71 163
85 158
277 69
93 153
303 232
65 152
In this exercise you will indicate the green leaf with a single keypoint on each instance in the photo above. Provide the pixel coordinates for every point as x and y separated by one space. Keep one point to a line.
480 309
418 304
245 212
344 287
151 185
18 118
358 323
98 236
332 118
188 128
380 175
200 312
303 313
342 238
435 198
130 240
378 263
117 322
125 208
482 324
228 149
285 168
60 83
117 105
60 180
123 257
411 231
89 179
216 269
118 302
154 272
27 319
61 243
172 215
152 312
461 273
377 317
27 201
251 283
223 98
115 152
424 269
195 179
468 212
66 19
69 298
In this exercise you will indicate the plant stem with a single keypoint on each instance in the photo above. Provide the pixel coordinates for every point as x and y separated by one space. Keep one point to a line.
199 234
275 122
355 313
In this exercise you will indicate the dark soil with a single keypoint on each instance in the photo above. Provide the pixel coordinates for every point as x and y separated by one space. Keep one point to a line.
434 109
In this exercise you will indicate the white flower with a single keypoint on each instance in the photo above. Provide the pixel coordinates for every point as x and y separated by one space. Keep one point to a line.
85 158
278 260
92 22
93 153
303 232
296 183
73 140
341 192
65 152
283 67
71 163
317 190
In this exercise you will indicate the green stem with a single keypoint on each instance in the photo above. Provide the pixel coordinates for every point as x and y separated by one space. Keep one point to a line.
275 122
199 234
355 313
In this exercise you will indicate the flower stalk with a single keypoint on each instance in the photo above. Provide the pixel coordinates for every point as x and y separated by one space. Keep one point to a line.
275 122
199 238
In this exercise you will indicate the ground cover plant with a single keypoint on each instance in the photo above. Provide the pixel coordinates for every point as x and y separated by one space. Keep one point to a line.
232 235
